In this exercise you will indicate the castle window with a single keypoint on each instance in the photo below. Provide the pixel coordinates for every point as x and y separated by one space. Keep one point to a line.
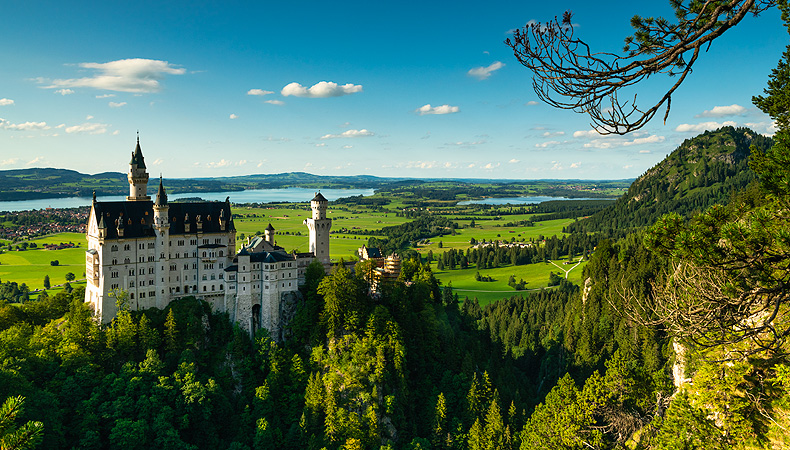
142 294
181 243
205 241
221 265
204 288
204 254
152 293
217 241
126 261
114 261
178 289
162 256
114 286
127 247
221 253
131 295
151 269
142 271
213 287
114 248
186 266
204 278
142 246
131 273
221 287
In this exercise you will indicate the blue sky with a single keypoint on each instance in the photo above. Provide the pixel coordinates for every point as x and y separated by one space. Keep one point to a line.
412 89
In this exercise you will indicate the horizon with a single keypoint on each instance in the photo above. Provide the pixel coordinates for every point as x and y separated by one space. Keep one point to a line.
364 89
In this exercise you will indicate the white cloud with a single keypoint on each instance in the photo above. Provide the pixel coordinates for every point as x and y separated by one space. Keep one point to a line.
88 117
322 144
514 161
105 96
349 134
88 127
576 165
645 151
275 102
125 75
259 92
421 164
321 89
698 127
225 163
589 134
618 141
719 111
547 144
35 160
64 91
490 166
531 103
9 161
116 104
466 144
443 109
764 128
553 133
116 132
348 146
6 101
233 116
26 126
481 73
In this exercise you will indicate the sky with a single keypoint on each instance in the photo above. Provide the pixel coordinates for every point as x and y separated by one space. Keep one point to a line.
401 89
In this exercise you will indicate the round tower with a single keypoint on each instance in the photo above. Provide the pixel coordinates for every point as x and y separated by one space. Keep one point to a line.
268 234
318 227
138 176
161 243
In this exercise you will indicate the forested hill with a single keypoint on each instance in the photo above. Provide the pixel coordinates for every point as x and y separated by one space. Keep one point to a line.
702 171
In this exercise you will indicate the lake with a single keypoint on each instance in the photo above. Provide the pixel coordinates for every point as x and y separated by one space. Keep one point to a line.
248 196
520 200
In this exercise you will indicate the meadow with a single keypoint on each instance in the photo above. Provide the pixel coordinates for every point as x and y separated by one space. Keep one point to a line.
352 226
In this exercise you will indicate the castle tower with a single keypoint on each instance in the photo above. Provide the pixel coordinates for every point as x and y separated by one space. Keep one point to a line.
162 240
138 176
319 227
268 234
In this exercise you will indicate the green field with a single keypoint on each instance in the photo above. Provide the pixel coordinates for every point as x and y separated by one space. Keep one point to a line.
536 276
32 265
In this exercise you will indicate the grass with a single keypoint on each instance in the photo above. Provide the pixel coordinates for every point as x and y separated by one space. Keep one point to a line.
536 276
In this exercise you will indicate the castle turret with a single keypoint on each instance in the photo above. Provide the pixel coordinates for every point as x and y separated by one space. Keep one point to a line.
138 176
268 234
319 227
162 227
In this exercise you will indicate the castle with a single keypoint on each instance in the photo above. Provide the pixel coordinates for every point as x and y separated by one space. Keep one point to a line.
156 252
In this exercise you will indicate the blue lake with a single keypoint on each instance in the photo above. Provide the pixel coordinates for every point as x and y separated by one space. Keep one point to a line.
520 200
248 196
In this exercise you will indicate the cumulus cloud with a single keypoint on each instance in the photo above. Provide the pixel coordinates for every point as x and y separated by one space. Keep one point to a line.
589 134
9 161
576 165
116 104
514 161
64 91
6 101
490 166
135 75
349 134
531 103
553 133
35 160
275 102
547 144
348 146
89 128
233 116
720 111
259 92
422 164
322 89
699 127
26 126
105 96
481 73
443 109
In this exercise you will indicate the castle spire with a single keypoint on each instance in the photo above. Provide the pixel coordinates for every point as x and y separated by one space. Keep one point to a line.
161 195
138 176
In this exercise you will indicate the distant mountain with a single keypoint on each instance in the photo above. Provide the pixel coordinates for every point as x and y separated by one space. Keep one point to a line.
26 184
702 171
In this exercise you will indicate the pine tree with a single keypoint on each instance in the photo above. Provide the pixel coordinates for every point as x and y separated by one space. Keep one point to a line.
47 284
171 332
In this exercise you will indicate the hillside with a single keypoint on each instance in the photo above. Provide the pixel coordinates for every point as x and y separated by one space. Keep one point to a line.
702 171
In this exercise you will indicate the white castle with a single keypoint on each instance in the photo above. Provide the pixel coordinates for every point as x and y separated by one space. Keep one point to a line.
157 252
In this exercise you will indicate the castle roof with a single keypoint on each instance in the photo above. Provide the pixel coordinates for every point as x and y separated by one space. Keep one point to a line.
161 195
319 198
138 217
137 156
270 227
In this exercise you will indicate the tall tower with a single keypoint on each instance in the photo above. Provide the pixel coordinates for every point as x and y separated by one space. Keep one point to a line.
161 243
138 176
319 227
